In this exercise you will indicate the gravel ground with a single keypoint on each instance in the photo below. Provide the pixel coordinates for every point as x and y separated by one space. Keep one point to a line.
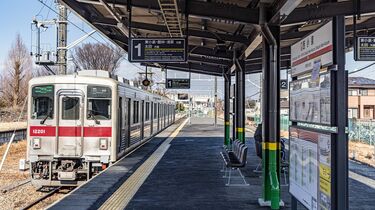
23 195
362 152
10 126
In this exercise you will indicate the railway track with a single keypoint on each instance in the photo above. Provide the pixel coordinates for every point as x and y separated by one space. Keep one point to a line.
49 194
20 134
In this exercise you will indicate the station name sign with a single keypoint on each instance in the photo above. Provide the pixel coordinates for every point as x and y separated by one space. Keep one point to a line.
177 84
165 50
317 46
365 49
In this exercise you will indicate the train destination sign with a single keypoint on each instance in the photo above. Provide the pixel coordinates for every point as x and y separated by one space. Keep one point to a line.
178 84
166 50
365 49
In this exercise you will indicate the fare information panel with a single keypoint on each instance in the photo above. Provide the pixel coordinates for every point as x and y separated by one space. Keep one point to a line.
165 50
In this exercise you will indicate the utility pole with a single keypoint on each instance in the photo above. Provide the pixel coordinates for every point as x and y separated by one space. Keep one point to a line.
62 39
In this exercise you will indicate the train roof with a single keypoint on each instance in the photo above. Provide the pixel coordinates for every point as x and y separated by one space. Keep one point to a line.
89 76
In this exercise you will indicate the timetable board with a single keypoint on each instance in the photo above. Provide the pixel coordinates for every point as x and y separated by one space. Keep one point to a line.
310 168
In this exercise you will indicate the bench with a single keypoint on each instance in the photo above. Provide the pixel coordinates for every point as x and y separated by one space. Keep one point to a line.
234 158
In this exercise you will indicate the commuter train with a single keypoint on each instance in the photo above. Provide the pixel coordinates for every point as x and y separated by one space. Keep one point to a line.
80 124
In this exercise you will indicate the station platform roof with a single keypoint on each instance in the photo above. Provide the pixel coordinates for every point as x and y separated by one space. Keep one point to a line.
218 27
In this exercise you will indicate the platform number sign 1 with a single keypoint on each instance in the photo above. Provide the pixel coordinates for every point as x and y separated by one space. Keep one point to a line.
149 50
138 48
284 84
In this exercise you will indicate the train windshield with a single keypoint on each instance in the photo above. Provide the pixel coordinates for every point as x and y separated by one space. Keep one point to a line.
99 103
43 98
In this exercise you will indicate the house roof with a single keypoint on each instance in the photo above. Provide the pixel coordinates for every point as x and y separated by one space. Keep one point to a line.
361 82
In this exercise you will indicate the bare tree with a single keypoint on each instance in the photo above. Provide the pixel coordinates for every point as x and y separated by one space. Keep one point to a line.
17 73
98 56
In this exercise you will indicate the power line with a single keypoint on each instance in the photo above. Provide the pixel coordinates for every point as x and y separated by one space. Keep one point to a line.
361 69
50 8
41 1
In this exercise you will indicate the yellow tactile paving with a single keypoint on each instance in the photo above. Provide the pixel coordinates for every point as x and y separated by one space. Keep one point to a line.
123 195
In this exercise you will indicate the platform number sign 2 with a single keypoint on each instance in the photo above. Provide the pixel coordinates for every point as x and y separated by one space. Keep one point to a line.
284 84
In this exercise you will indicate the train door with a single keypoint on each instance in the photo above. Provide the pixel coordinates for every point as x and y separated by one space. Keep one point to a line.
142 119
152 118
120 134
158 116
165 115
124 123
70 124
161 117
127 121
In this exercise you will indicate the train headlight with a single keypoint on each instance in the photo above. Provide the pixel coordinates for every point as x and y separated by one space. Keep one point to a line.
103 143
36 143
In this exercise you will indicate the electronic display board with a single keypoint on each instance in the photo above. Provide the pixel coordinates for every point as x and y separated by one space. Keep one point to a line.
177 83
165 50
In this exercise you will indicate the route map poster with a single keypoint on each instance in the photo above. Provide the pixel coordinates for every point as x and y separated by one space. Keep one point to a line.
310 168
310 100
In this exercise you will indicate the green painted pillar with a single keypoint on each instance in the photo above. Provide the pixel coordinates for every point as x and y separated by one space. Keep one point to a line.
270 115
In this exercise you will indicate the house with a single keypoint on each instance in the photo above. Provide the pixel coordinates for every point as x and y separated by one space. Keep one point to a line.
361 99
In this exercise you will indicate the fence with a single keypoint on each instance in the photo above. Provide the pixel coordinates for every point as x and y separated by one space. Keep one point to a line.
362 131
359 130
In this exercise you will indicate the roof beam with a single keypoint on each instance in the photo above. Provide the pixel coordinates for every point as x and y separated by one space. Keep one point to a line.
204 51
221 11
191 67
161 28
282 9
209 61
257 68
327 10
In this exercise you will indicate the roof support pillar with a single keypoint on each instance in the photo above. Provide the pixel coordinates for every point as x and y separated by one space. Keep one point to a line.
240 100
340 142
270 115
227 81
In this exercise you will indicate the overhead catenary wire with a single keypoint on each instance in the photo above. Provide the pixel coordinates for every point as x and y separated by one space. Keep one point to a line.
361 69
72 23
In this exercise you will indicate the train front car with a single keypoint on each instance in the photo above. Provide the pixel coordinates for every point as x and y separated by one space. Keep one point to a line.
69 128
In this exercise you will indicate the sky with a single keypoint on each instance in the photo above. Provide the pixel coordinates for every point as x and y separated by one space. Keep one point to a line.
17 16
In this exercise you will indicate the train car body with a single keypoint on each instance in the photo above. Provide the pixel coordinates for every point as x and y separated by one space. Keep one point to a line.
80 124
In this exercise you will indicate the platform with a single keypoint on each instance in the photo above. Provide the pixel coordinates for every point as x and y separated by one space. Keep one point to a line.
187 176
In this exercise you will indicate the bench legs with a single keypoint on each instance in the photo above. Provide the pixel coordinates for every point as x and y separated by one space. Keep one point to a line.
259 167
224 169
284 171
230 176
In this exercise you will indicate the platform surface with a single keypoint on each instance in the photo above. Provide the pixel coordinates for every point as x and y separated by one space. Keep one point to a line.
188 177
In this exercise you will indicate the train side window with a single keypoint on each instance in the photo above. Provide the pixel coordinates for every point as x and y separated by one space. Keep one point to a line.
135 112
147 111
155 110
70 108
43 102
